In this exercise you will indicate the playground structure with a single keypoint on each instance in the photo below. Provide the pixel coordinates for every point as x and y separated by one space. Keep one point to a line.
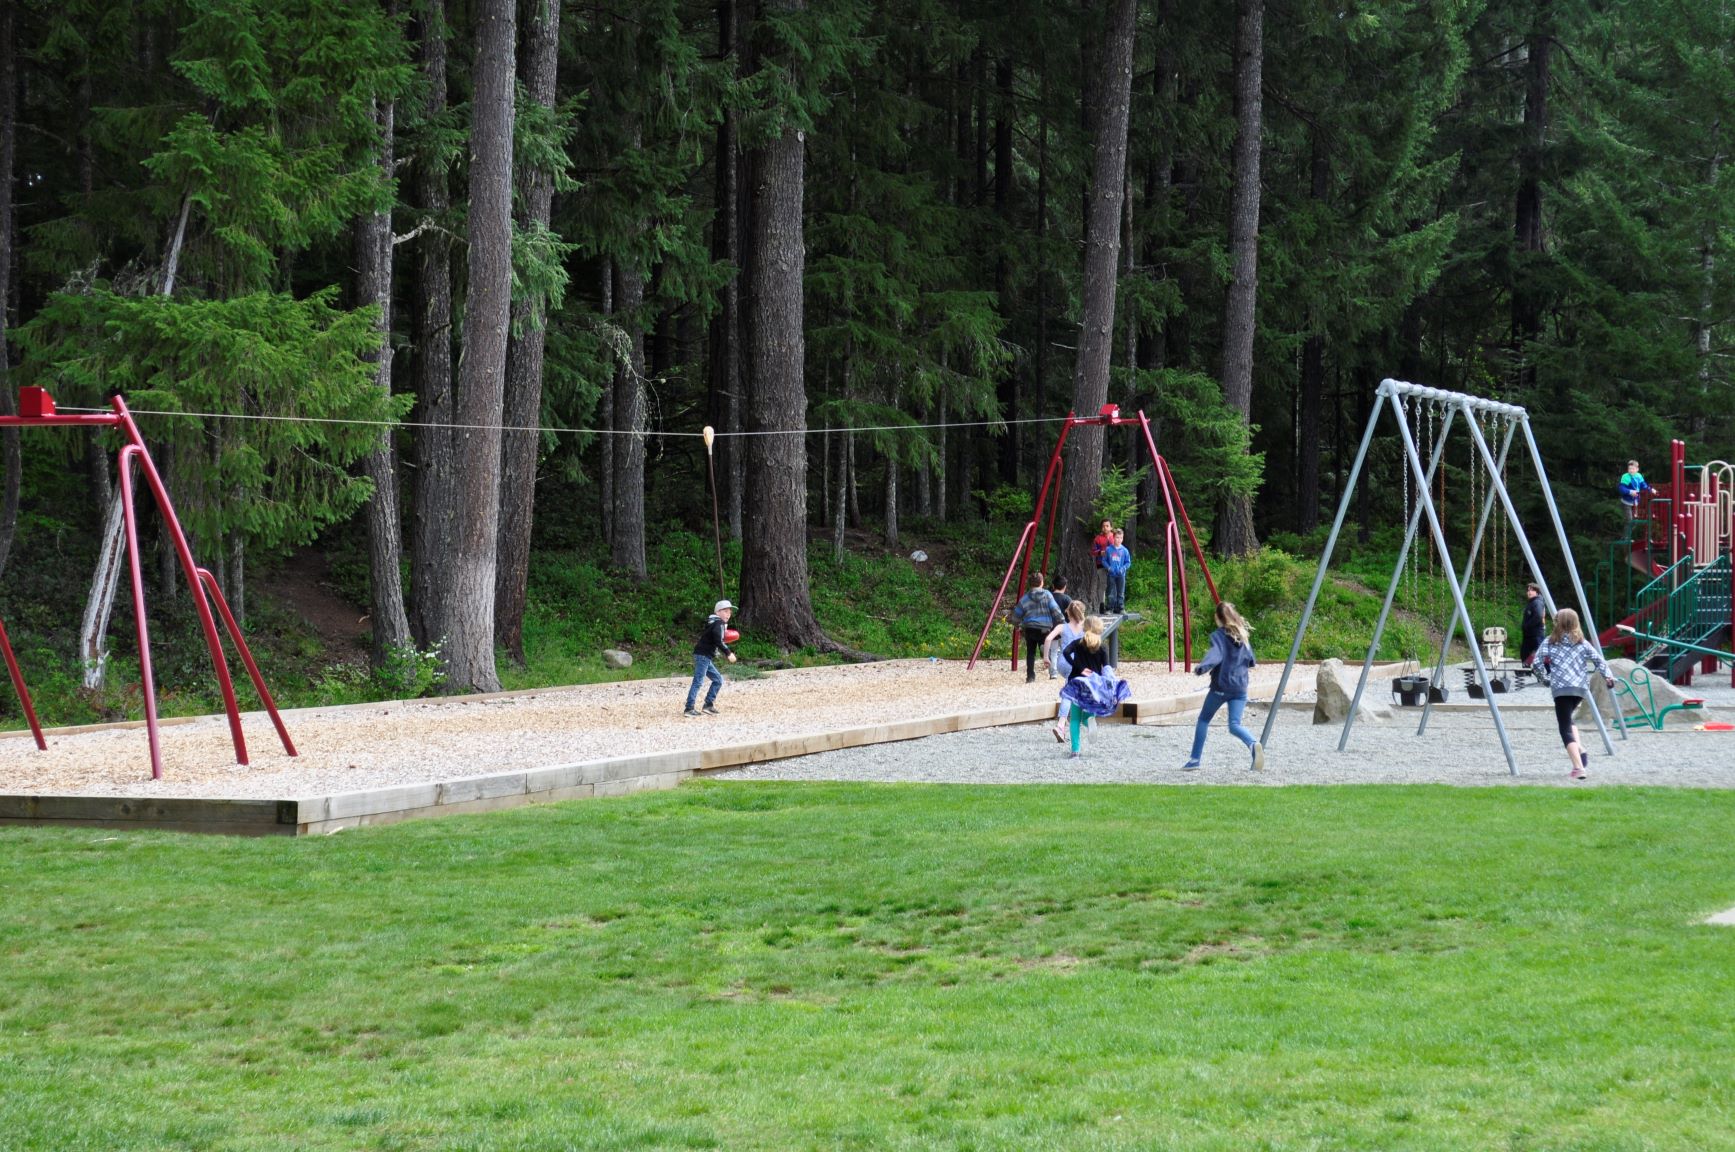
1668 582
1505 421
36 410
1048 501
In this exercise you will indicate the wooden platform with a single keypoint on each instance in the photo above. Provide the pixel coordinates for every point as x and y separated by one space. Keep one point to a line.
305 816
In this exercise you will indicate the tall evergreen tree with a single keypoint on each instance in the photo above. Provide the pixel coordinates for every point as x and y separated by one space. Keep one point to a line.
1235 535
469 574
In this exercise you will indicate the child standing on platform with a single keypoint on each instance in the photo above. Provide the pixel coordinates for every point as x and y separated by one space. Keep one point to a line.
1116 561
1632 487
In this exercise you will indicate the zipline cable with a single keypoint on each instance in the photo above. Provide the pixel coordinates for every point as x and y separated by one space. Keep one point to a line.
569 431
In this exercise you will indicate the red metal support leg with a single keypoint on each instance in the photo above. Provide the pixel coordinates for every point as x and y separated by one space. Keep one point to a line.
184 551
222 604
18 687
147 680
1171 545
1029 531
1051 486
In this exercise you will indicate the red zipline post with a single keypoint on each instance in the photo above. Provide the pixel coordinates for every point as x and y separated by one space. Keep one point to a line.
1107 417
36 409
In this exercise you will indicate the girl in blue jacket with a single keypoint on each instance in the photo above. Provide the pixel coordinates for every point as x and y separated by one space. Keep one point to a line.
1228 661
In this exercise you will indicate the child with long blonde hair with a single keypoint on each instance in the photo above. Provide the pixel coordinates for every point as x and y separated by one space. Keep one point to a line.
1227 663
1086 656
1568 659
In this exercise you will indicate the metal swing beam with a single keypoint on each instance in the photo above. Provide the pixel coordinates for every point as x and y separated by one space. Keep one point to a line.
1048 500
36 410
1392 396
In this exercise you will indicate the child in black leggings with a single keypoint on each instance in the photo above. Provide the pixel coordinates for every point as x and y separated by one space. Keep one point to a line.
1568 659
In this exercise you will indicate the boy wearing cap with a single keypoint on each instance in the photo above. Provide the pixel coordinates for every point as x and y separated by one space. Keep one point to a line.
705 658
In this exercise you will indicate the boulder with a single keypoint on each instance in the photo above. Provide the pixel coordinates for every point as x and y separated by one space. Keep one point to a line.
1663 692
615 658
1333 690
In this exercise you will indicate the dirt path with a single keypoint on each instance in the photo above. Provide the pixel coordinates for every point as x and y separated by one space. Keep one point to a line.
303 584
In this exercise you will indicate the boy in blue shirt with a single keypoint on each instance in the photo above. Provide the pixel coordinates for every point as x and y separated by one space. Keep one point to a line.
1632 487
1115 561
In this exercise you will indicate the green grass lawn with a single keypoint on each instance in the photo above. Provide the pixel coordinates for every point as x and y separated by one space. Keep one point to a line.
795 966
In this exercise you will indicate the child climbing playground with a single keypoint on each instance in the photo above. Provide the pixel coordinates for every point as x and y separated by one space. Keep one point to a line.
1632 486
1227 663
1567 660
713 638
1116 561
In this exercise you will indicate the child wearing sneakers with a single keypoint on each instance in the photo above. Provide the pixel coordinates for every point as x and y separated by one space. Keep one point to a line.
711 642
1227 663
1569 659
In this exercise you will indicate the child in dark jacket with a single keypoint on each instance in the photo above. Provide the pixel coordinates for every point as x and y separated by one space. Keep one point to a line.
712 640
1227 663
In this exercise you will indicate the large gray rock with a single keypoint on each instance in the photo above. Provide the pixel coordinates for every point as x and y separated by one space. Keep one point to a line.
1333 690
1663 692
615 658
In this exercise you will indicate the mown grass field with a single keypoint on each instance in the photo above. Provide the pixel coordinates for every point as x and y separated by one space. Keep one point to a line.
749 966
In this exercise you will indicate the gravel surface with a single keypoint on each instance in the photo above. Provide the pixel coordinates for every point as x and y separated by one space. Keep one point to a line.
375 746
1460 748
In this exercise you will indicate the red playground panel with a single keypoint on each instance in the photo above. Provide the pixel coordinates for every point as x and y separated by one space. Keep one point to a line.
1048 500
36 410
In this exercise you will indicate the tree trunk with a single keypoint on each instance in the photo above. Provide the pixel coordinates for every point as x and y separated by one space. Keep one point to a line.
11 459
774 587
1084 447
470 570
891 501
1011 444
1307 432
524 352
605 412
839 516
434 454
627 551
373 285
725 334
1235 535
1527 227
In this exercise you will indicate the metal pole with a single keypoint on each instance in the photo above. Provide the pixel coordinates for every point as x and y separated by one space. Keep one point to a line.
12 670
1457 588
1397 571
1171 543
1439 674
1499 488
716 527
1571 568
1324 563
147 680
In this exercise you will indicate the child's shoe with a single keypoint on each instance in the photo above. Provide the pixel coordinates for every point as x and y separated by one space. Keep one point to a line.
691 712
1190 766
1258 756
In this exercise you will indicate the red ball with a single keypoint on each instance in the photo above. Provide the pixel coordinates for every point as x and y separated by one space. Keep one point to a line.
730 635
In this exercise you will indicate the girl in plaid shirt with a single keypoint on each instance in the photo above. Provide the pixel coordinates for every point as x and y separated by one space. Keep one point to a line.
1569 660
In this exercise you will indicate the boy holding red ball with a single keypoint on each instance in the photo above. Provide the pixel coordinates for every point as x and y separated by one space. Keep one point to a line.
714 639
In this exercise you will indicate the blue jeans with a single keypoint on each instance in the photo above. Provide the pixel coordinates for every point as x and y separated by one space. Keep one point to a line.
1117 591
703 668
1213 701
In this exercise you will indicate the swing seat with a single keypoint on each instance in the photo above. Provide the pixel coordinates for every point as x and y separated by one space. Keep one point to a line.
1646 710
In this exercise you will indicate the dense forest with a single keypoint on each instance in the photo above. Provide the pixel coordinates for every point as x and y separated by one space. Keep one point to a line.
475 273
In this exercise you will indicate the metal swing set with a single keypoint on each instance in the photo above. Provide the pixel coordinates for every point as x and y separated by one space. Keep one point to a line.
1048 502
1402 400
36 410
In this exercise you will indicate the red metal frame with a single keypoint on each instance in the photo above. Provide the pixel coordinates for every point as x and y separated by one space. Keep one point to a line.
1108 417
36 410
